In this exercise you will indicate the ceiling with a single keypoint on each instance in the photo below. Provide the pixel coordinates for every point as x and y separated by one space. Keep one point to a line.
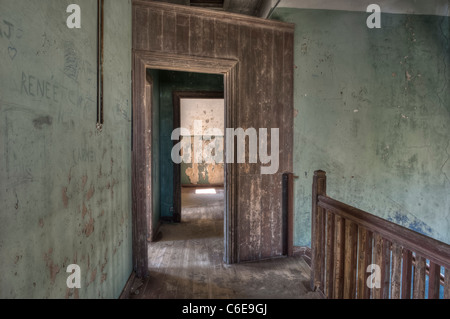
263 8
257 8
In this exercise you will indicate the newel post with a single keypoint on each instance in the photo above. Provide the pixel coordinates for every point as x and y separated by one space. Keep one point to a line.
319 188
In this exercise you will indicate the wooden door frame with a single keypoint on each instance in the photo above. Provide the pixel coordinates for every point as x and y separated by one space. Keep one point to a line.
177 97
142 145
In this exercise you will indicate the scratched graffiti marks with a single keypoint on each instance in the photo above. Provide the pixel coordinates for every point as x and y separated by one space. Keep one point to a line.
71 61
8 33
26 138
79 69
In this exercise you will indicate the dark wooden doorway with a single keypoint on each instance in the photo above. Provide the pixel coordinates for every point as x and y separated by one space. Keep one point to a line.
142 144
256 57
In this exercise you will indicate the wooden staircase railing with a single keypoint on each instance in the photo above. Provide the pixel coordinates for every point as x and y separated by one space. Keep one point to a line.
347 242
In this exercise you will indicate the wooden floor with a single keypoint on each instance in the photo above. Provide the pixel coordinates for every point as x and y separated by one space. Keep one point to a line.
188 264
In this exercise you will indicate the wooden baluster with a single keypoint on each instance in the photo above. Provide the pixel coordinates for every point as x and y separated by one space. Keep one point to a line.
396 271
419 278
386 268
365 259
447 284
317 232
339 258
351 239
329 271
378 248
434 281
382 259
406 274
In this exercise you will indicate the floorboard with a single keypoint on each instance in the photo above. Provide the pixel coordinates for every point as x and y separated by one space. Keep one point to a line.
187 263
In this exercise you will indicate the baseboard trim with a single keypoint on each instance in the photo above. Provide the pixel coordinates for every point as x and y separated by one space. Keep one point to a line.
127 289
302 251
203 186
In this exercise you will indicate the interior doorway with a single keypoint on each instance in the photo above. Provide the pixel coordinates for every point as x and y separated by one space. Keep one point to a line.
188 194
144 147
199 179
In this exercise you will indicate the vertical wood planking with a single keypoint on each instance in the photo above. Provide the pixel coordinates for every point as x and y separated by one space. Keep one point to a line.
169 37
141 21
196 35
290 216
243 210
139 190
220 38
396 271
271 223
164 28
447 284
339 258
364 260
244 102
351 239
329 268
276 89
406 274
267 224
208 37
154 28
182 33
419 278
231 229
434 281
148 123
233 42
287 125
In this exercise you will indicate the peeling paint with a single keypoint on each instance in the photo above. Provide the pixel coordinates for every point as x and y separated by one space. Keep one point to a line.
53 268
192 173
84 211
215 174
65 199
90 193
93 275
84 181
89 227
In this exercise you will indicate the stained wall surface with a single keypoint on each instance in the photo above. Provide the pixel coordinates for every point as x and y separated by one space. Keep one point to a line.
65 187
205 147
372 109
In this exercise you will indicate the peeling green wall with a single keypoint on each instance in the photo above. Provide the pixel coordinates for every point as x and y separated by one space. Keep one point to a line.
65 188
206 173
171 81
373 111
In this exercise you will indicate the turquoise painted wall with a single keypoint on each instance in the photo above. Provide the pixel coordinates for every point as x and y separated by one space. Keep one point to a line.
373 110
171 81
65 188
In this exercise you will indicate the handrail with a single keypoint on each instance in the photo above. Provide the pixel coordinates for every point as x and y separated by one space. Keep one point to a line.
347 242
436 251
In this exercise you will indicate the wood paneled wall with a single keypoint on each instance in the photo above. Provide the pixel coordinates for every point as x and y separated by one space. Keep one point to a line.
262 94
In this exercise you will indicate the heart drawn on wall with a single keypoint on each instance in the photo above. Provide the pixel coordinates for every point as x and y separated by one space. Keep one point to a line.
12 52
